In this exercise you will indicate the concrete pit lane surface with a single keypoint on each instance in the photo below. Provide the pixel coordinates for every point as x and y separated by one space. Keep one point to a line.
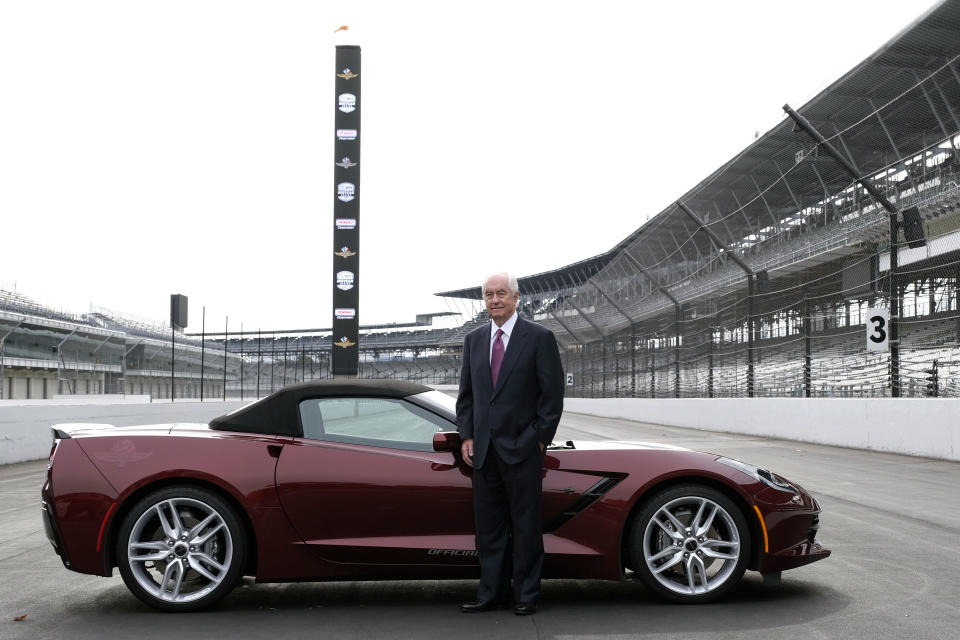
892 522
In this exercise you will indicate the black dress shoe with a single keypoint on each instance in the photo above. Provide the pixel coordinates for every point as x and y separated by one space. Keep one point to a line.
480 605
525 609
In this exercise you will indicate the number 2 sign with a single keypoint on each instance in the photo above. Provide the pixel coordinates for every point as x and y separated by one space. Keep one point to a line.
878 329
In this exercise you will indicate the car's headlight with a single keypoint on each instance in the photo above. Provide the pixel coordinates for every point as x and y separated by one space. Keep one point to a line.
763 475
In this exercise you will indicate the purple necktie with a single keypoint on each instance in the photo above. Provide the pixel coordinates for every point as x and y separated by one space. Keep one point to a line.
496 357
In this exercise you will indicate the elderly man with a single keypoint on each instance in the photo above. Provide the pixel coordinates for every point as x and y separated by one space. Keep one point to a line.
508 408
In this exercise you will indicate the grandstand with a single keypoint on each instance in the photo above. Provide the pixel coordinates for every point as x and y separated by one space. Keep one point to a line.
46 352
755 282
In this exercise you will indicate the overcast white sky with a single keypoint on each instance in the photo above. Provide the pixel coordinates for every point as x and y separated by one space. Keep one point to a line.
150 148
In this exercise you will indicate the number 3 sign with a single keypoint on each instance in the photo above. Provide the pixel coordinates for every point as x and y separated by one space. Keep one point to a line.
878 329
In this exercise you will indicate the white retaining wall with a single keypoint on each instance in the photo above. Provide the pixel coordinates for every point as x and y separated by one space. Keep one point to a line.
928 427
25 424
921 427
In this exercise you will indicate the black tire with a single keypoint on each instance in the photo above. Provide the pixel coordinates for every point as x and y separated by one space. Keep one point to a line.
714 551
188 539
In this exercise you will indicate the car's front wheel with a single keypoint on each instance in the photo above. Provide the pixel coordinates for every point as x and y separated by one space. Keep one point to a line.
181 548
690 543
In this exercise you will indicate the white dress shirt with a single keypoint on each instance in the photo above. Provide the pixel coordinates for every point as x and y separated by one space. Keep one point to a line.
507 330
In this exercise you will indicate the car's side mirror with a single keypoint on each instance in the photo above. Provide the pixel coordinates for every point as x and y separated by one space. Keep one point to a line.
446 441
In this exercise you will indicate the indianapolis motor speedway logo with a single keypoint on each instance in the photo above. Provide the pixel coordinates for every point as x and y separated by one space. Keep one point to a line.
347 102
345 280
347 74
345 191
344 342
346 163
345 252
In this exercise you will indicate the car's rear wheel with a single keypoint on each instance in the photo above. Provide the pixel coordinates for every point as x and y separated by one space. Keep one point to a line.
181 548
690 543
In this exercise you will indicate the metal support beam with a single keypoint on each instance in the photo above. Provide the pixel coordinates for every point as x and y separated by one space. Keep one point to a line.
895 291
643 271
715 238
226 337
677 312
678 316
679 245
774 222
666 254
173 359
241 361
956 122
742 212
827 200
893 143
823 185
203 347
849 160
629 320
710 367
807 348
723 220
603 350
786 183
653 373
567 329
583 313
105 341
750 292
612 302
3 344
690 235
60 361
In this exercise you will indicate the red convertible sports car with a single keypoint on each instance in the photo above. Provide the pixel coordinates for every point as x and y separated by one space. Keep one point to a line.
359 480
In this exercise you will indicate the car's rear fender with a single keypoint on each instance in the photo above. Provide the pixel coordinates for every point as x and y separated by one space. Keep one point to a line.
240 467
132 498
82 500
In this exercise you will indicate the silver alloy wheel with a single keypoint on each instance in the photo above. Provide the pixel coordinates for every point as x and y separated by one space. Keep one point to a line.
691 545
179 550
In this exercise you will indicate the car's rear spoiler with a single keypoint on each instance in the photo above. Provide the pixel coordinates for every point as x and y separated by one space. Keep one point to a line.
67 430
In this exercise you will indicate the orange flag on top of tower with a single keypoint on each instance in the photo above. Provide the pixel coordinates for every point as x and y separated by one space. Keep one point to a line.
343 28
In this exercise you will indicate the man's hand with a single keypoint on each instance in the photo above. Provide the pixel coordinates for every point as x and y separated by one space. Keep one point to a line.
467 450
541 446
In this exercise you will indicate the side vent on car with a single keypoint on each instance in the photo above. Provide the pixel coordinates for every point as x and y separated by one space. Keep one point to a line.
814 526
589 496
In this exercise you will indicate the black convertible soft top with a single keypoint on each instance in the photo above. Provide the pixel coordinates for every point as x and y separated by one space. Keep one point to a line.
278 413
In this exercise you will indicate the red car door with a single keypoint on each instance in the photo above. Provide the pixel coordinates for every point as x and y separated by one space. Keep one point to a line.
364 486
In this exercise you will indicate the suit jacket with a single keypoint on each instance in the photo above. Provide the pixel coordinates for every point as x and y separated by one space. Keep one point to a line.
524 409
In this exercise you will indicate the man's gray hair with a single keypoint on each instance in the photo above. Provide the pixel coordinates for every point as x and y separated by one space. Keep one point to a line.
511 281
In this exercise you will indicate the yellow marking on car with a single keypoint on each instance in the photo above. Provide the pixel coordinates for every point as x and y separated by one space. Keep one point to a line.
763 526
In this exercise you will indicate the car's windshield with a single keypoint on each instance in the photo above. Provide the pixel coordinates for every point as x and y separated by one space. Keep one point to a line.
438 400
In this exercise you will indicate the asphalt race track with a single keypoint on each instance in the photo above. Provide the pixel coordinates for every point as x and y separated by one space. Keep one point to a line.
893 523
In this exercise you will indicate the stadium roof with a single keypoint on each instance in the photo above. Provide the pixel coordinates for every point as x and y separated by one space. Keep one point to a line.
567 276
903 99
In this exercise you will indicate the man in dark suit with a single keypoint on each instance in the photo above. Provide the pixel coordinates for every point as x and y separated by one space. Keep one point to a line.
508 408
